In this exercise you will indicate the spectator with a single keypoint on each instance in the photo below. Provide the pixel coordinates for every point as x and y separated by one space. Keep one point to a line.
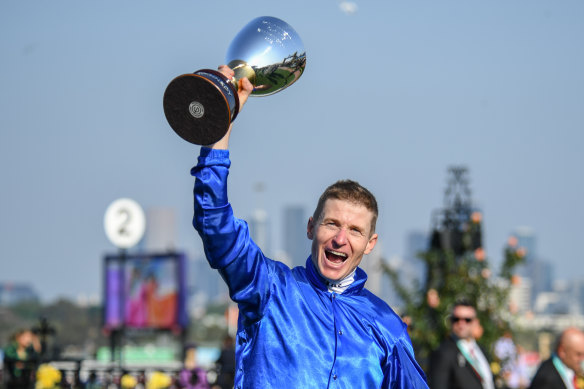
226 363
20 359
459 363
562 369
192 376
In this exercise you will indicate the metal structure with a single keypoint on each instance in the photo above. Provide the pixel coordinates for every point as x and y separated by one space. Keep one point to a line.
450 224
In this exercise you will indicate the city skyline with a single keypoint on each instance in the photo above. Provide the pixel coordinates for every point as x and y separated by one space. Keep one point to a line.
158 239
394 93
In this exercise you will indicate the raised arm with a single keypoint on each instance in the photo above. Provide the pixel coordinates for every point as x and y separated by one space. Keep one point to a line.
245 89
228 246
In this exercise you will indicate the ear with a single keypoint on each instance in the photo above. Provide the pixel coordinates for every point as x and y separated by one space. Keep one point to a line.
561 352
371 243
310 229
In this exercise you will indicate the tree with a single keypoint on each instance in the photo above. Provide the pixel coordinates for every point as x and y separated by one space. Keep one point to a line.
67 325
456 267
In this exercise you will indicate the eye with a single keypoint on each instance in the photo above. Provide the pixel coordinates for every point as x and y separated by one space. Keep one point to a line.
330 225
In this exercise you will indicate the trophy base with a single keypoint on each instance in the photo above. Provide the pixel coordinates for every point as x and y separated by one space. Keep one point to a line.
200 106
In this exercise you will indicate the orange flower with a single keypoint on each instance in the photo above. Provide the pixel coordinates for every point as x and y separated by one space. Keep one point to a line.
480 254
521 252
515 279
476 217
512 241
433 298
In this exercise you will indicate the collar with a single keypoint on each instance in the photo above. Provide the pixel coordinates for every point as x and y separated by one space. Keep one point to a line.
465 346
477 360
566 373
351 284
340 286
467 342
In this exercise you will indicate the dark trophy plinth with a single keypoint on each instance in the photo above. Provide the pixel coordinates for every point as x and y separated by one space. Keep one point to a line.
200 106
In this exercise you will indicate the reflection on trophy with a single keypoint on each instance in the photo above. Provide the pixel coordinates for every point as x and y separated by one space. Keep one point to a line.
200 106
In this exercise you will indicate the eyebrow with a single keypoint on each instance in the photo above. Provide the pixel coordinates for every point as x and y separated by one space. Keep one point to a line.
351 226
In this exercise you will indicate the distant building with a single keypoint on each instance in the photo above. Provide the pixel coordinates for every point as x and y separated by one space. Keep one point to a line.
568 297
204 282
296 244
388 290
579 294
549 302
410 267
542 275
14 293
520 296
526 238
371 264
161 232
540 272
416 242
259 229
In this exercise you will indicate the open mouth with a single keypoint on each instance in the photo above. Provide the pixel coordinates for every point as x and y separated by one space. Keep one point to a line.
335 256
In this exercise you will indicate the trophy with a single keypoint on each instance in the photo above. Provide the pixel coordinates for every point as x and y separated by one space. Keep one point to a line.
200 106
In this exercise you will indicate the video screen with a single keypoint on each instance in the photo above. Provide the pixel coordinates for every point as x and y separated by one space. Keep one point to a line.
145 291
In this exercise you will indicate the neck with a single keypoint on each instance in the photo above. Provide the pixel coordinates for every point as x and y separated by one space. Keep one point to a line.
467 339
339 286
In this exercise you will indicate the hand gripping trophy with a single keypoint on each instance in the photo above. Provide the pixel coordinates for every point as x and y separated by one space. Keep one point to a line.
200 106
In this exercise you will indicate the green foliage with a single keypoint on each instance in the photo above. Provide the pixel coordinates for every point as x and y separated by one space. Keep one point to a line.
451 277
26 310
74 326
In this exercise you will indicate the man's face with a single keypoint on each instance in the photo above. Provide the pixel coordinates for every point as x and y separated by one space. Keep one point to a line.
571 352
25 339
340 237
463 321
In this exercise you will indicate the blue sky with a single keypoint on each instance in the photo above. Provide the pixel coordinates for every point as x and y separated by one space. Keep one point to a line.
393 94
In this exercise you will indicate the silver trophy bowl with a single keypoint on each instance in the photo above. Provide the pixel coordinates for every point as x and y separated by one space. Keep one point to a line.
200 106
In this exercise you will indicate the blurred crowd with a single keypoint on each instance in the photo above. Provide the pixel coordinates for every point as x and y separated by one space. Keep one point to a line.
459 362
24 367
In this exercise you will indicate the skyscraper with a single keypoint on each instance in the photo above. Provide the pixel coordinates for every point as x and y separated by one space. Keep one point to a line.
416 242
16 292
296 244
526 238
539 272
520 296
259 229
161 232
371 264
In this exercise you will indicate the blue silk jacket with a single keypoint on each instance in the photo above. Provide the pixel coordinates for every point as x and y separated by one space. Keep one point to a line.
292 332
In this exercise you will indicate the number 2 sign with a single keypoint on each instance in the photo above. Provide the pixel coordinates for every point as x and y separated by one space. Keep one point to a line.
124 223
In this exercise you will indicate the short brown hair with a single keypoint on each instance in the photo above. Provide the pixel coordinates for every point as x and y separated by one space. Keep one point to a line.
352 191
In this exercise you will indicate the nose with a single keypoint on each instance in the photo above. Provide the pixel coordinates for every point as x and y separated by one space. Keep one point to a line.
340 239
